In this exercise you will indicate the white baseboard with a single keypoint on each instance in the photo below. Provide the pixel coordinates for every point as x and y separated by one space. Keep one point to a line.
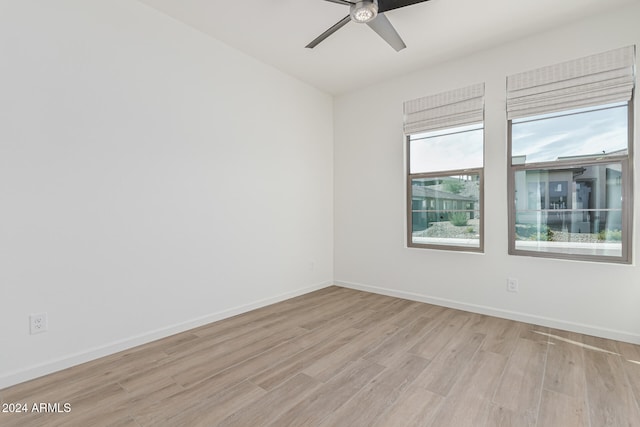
496 312
16 377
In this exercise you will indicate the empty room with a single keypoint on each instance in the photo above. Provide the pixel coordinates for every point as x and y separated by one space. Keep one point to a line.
319 213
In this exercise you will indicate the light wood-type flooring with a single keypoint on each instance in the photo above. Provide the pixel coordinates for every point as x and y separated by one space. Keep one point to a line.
340 357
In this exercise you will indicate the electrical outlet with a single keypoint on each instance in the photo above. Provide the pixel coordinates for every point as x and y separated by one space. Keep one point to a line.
38 323
512 284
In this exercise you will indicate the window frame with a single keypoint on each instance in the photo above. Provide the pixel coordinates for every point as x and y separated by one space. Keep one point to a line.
439 174
626 162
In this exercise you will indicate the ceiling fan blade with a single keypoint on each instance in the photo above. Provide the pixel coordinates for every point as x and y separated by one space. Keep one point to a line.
383 27
385 5
330 31
345 2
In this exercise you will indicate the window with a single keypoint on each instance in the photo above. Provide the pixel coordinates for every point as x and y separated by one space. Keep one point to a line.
570 145
445 145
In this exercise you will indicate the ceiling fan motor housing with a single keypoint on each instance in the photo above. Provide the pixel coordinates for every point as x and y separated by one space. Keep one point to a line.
372 13
364 11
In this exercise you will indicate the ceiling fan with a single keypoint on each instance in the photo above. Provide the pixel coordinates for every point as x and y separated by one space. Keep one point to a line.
370 12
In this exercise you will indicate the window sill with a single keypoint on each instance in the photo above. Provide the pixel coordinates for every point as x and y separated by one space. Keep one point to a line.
603 249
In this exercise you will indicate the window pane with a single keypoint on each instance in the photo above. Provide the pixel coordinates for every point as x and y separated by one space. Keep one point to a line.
562 137
451 149
445 210
574 210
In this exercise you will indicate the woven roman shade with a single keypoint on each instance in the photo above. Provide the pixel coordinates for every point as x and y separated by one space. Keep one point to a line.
448 109
604 78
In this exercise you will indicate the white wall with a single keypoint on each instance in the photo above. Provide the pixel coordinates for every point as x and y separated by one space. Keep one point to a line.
370 246
151 180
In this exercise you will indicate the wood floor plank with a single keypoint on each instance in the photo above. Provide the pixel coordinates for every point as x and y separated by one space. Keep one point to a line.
368 404
451 363
83 409
331 396
518 395
338 357
381 303
610 397
599 344
557 409
286 368
415 407
397 344
222 339
273 404
125 422
565 365
86 377
149 388
200 410
501 335
437 338
305 315
631 364
398 312
321 315
206 364
500 416
327 367
274 313
534 333
410 313
245 369
470 401
226 386
218 340
330 329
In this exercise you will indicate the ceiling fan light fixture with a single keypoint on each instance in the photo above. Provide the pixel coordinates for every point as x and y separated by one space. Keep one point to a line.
364 11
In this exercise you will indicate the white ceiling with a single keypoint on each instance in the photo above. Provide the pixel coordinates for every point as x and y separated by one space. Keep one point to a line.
276 31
